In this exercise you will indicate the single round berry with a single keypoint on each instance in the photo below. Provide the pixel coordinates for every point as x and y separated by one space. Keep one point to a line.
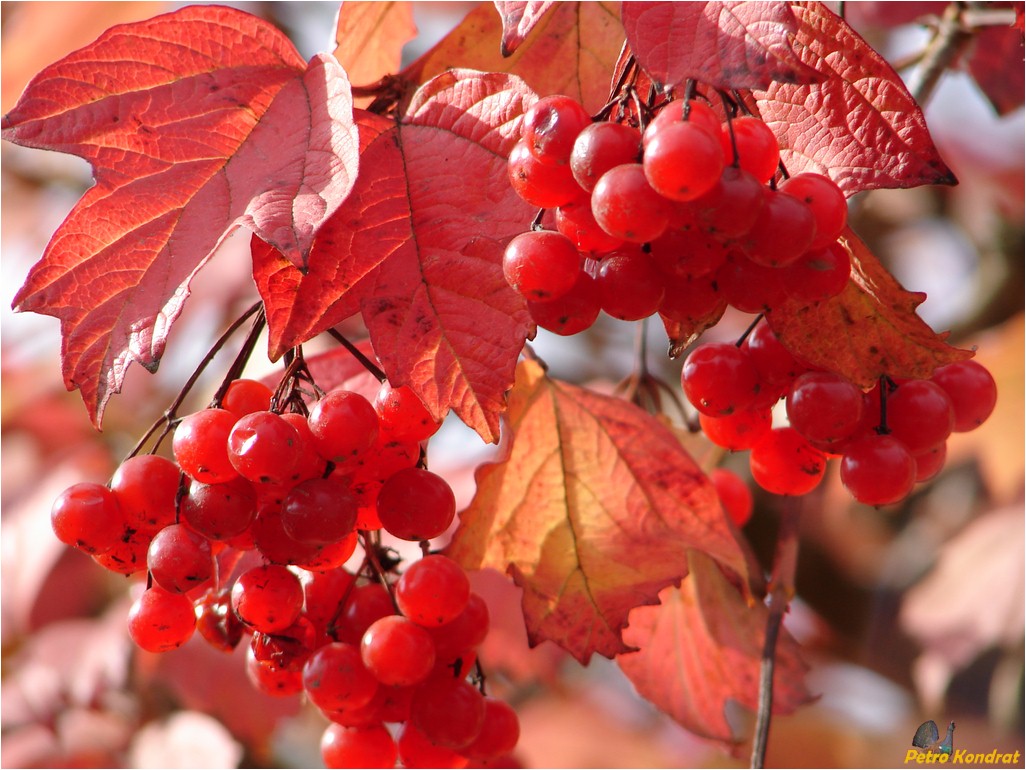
499 732
146 487
698 113
576 222
818 274
630 287
200 445
219 511
878 470
601 147
263 448
541 265
179 559
626 206
741 430
319 511
550 127
683 162
344 425
87 516
247 396
757 149
369 746
159 620
572 313
416 504
334 678
448 711
826 201
268 598
433 591
784 463
920 415
972 391
783 230
397 651
545 185
719 379
403 415
824 407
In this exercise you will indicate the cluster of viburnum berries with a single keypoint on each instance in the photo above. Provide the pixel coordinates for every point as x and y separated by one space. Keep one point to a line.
686 217
247 532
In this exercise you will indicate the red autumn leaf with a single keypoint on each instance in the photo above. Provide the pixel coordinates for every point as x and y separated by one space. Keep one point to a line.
702 646
337 368
869 330
592 512
860 126
369 39
417 247
195 122
996 65
518 19
570 50
723 44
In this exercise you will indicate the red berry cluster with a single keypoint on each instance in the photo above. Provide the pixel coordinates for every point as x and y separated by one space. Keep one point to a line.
676 220
294 491
887 439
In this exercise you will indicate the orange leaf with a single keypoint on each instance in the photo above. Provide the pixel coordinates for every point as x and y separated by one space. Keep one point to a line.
570 50
703 646
518 19
369 39
869 330
592 512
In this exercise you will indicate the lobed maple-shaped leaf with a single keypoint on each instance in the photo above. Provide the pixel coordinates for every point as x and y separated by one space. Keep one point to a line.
195 122
369 39
417 248
569 50
860 126
592 512
723 44
518 19
996 64
702 646
867 331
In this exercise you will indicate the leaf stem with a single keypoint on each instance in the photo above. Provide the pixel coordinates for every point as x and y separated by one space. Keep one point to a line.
781 591
948 41
171 413
367 364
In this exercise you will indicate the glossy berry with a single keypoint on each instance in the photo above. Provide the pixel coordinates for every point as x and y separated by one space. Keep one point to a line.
772 361
541 265
159 621
263 448
219 511
930 463
216 622
369 746
397 651
878 470
920 415
729 209
783 230
550 127
972 391
334 678
683 162
344 425
576 222
448 711
415 750
750 287
719 379
757 149
784 463
698 113
687 254
402 414
247 396
626 206
319 511
734 494
540 184
179 559
276 681
200 445
818 274
826 202
416 504
572 313
741 430
824 407
88 517
433 591
267 598
601 147
146 487
365 604
499 734
692 301
464 633
629 285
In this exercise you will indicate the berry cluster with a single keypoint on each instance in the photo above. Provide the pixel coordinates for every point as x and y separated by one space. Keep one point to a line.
887 439
679 219
247 532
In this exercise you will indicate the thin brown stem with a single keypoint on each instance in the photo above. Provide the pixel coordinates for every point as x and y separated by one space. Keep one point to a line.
171 413
367 364
949 40
781 590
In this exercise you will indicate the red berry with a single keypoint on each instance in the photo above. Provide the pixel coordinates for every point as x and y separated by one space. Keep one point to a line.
826 201
629 285
784 463
626 206
540 184
572 313
88 517
972 391
550 127
683 162
416 504
200 445
397 651
159 621
267 598
878 470
601 147
344 425
757 149
541 265
433 591
734 494
719 379
403 415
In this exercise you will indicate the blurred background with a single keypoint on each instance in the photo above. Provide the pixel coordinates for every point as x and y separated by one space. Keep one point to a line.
905 614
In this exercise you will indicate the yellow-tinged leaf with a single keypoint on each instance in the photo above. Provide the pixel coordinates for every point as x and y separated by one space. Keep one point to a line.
593 512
